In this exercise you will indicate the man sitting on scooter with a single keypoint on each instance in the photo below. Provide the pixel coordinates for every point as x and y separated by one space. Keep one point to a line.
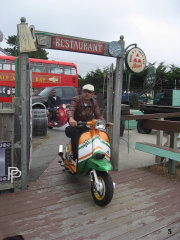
53 102
82 108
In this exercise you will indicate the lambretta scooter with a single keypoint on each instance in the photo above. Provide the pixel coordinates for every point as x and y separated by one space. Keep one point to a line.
94 158
61 114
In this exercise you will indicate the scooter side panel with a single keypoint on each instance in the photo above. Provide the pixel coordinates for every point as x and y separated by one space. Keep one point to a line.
85 147
84 150
101 144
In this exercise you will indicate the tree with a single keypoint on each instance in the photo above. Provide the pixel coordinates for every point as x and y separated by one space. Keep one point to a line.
95 78
168 76
40 53
136 80
174 75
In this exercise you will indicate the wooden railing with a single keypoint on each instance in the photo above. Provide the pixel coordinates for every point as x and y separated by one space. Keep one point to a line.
155 121
6 143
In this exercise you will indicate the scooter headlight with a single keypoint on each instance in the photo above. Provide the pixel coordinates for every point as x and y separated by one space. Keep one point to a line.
100 125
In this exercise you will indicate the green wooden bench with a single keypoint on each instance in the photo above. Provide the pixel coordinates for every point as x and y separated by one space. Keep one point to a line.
152 121
172 153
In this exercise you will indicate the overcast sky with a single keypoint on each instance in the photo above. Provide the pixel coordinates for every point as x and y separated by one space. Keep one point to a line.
154 25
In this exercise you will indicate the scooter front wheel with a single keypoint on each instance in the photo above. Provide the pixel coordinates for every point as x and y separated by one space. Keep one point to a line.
102 195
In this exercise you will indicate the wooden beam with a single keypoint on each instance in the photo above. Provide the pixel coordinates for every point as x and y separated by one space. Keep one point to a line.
164 125
6 111
149 116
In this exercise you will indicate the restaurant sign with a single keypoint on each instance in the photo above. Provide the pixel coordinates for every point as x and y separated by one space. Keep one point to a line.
78 45
72 43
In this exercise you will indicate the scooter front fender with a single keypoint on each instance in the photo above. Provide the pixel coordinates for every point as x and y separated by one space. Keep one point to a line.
98 165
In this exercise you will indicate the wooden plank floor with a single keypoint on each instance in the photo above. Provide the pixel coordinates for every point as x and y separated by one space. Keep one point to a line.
145 206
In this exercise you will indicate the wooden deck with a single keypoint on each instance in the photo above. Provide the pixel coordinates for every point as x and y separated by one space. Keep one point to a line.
145 206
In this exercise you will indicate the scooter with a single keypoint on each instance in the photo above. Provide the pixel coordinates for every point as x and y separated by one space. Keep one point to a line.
61 113
93 158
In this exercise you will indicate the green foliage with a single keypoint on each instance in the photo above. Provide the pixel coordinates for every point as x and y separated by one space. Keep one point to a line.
161 71
11 40
95 78
174 74
166 76
136 80
40 53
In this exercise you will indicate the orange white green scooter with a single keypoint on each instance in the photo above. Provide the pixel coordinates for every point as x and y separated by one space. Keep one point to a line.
94 158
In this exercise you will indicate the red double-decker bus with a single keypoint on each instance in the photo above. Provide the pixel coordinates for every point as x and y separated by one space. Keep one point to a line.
45 73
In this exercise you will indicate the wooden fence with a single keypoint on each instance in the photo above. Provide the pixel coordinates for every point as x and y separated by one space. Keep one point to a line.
6 143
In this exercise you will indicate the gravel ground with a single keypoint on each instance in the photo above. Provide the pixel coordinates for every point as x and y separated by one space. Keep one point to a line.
163 170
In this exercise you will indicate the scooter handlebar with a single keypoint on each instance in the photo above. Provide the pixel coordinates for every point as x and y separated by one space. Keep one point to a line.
80 124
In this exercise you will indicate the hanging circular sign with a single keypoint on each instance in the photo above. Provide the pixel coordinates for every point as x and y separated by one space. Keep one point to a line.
114 49
135 60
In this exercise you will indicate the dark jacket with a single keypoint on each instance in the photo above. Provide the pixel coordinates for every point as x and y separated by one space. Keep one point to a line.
83 113
54 103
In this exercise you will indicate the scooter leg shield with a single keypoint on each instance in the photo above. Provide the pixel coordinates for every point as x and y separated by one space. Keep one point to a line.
99 165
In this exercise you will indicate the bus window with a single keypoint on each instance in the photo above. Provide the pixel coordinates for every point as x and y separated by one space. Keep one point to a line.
5 91
38 67
73 71
5 64
68 70
54 68
13 65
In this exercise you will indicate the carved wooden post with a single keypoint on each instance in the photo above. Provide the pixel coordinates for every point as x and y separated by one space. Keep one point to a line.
117 106
26 44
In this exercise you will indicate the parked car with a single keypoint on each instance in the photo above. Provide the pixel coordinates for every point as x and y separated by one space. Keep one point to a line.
65 93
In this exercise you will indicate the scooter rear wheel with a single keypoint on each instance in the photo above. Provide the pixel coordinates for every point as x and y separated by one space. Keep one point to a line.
104 196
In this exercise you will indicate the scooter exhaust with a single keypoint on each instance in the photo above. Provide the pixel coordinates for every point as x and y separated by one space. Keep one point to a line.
60 150
61 153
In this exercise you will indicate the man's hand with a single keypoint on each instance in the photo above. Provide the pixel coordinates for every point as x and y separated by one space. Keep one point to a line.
110 124
72 122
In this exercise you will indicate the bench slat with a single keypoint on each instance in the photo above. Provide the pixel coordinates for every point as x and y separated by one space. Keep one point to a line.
158 150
